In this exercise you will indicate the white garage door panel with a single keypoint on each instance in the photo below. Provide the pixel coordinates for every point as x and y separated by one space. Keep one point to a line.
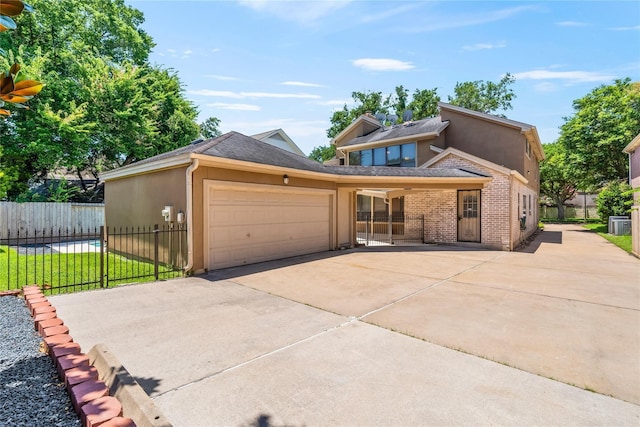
250 225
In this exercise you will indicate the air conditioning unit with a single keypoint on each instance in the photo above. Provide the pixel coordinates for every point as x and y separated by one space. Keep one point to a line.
611 219
621 227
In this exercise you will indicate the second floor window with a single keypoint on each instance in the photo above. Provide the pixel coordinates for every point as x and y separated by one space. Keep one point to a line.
403 155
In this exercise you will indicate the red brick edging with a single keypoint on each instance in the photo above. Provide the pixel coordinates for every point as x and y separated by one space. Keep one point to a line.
89 395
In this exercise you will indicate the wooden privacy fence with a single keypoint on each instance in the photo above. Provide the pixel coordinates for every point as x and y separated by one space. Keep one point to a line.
47 216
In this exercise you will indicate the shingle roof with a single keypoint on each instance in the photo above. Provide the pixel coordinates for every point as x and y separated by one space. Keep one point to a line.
433 125
236 146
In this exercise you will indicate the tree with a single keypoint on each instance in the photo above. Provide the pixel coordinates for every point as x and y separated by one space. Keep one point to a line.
323 153
556 178
424 103
485 97
103 105
605 120
614 199
210 128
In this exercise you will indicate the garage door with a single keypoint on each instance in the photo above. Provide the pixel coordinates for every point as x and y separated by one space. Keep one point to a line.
261 223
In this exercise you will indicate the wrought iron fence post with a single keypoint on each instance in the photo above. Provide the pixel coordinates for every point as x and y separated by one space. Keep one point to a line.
102 239
156 232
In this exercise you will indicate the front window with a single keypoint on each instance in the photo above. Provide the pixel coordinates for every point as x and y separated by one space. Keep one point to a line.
394 155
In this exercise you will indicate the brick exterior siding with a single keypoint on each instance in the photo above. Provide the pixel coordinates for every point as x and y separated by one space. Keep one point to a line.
500 227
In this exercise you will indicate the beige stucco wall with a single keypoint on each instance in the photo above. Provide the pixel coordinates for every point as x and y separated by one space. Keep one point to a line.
135 204
139 200
499 144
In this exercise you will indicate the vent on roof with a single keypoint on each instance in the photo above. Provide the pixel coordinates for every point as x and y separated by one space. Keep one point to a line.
197 141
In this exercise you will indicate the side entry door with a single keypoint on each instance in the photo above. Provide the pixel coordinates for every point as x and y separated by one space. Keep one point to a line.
469 216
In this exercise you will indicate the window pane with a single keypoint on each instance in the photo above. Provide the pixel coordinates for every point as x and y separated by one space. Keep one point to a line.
393 155
366 158
380 207
354 158
380 156
408 155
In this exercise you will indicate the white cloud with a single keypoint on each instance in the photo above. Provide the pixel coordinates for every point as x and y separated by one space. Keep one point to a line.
302 12
636 28
241 95
485 46
546 87
334 102
572 24
187 52
451 22
218 77
568 76
389 13
303 84
215 50
235 107
218 93
171 50
382 64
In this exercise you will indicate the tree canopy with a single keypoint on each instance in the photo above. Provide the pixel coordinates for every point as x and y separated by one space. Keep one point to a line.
103 105
556 178
604 122
486 97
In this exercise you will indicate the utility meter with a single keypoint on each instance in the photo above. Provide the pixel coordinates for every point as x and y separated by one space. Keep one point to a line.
167 213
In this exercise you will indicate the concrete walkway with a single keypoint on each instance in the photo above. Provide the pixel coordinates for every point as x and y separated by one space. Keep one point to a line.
396 336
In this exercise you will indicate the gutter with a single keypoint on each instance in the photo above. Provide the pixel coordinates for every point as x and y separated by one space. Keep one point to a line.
189 178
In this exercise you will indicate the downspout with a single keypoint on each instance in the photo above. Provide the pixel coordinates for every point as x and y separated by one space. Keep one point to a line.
190 170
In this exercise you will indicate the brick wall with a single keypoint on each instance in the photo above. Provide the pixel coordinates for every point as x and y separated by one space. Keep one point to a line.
440 214
500 227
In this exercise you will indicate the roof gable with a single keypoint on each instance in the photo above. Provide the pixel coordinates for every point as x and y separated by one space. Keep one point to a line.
279 138
473 159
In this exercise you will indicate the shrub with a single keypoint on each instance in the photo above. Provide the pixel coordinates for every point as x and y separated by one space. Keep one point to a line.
615 198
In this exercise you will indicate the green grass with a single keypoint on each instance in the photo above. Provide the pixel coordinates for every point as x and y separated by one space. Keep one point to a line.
623 242
62 273
570 221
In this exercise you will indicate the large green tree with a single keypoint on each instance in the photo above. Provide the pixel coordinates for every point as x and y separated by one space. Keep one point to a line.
424 103
103 104
556 178
604 122
484 96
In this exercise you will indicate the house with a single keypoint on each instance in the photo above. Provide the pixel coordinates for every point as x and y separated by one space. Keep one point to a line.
633 150
245 201
278 138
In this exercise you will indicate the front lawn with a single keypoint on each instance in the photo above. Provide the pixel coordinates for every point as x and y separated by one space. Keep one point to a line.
623 242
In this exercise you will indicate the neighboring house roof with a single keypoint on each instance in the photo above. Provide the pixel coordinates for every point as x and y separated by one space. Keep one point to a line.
633 145
278 138
474 159
530 131
241 148
430 127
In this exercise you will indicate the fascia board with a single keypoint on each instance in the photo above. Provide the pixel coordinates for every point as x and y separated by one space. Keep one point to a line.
126 171
633 145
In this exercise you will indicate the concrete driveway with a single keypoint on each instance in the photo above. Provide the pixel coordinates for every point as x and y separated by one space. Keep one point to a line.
426 335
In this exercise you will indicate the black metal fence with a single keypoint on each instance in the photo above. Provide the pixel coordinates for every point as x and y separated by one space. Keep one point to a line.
61 261
378 230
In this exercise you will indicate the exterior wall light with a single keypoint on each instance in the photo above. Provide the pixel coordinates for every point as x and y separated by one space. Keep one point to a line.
285 179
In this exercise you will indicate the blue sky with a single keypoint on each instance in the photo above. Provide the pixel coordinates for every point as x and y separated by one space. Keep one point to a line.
260 65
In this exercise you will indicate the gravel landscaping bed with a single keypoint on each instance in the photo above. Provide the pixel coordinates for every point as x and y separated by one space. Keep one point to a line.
31 394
